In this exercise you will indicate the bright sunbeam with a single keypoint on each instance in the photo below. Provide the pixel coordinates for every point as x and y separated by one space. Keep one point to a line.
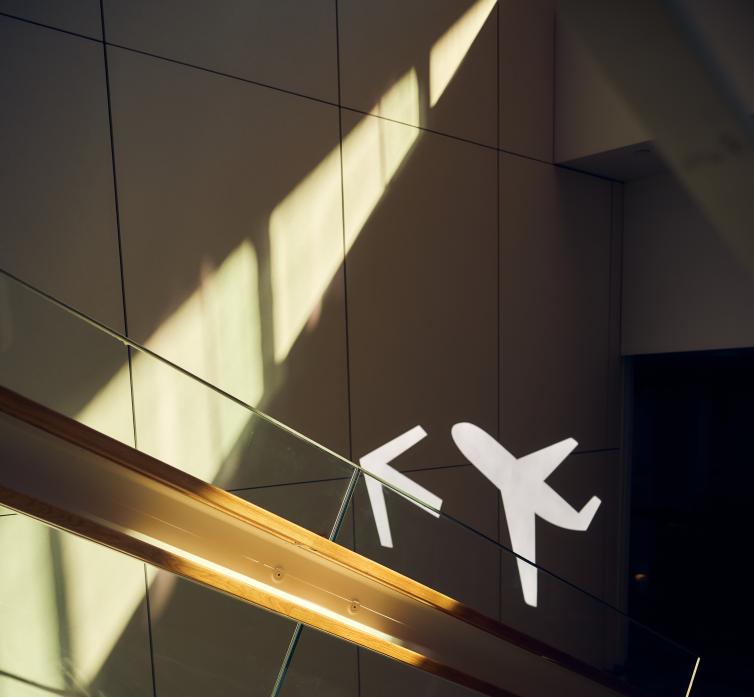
29 640
216 334
306 246
374 150
451 48
69 619
103 591
109 411
59 613
306 250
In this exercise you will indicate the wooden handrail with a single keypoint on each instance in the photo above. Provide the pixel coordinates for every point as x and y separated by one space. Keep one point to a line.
78 479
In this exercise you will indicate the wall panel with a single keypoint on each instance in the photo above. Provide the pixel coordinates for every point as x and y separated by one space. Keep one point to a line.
285 44
322 666
526 77
448 49
422 281
232 237
73 615
79 16
591 116
685 289
615 395
590 560
440 552
555 290
56 186
194 627
380 676
473 282
59 229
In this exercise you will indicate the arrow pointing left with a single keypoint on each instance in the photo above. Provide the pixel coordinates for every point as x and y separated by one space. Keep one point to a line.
376 462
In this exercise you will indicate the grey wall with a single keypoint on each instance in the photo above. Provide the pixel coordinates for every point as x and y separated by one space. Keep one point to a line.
684 289
598 130
591 115
269 195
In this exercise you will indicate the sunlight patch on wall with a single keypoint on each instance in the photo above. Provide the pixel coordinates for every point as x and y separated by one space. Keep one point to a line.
306 246
306 249
215 334
451 48
68 603
373 152
103 590
184 423
109 410
64 603
29 639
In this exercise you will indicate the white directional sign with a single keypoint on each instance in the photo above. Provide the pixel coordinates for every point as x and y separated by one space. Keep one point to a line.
521 482
376 462
525 494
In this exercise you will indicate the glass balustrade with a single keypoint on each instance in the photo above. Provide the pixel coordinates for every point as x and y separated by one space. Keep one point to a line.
80 619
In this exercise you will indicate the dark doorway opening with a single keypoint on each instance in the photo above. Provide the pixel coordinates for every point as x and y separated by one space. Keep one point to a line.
692 509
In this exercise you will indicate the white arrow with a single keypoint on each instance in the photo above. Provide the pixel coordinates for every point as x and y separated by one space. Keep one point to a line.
376 462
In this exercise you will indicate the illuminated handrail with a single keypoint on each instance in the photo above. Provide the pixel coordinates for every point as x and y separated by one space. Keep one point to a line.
579 606
70 476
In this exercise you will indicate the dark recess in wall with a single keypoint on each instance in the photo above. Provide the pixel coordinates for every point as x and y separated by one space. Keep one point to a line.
692 506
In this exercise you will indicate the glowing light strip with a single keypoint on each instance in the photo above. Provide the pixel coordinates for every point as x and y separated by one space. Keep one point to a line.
693 675
260 585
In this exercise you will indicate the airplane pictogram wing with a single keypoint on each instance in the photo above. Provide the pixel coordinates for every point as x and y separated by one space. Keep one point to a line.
544 462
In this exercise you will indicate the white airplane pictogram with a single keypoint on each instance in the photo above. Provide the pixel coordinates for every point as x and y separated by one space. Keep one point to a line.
525 493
